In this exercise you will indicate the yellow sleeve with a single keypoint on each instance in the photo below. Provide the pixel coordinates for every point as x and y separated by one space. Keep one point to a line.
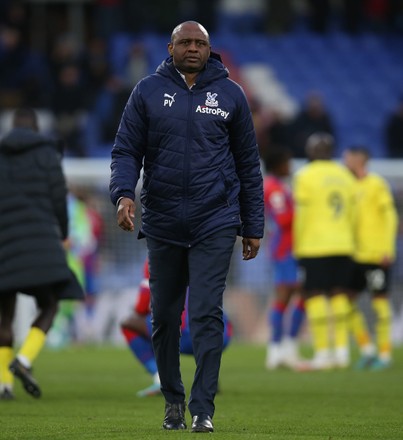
301 197
387 206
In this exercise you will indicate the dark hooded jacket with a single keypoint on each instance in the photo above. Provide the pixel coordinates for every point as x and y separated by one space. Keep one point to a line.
33 214
198 151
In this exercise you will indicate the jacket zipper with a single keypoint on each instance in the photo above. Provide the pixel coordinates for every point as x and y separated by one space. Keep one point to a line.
187 164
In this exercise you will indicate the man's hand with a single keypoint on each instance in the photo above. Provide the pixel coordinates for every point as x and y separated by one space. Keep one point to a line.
125 214
250 247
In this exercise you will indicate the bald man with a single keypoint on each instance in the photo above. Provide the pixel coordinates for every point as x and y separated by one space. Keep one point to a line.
189 127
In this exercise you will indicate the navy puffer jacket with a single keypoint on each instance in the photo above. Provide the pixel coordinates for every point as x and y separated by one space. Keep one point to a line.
198 150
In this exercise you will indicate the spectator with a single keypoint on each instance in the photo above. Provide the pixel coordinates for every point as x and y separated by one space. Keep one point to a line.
394 132
65 51
109 18
156 16
260 123
320 15
313 118
109 106
353 11
24 77
137 65
96 69
277 131
69 105
16 15
280 16
205 10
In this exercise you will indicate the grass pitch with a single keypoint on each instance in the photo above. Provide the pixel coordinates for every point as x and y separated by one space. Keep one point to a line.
89 393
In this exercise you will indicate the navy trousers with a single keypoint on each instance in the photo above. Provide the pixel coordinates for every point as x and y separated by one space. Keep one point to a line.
204 268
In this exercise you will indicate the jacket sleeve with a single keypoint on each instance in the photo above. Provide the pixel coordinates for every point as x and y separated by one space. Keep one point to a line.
129 149
245 151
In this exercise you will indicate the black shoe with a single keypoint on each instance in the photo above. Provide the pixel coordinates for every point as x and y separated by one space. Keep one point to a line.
202 423
174 416
25 375
7 394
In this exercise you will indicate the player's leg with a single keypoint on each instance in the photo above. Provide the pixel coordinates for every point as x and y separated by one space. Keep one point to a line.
378 284
381 306
340 271
7 311
283 270
317 312
136 329
21 366
186 346
362 336
290 346
228 331
357 321
296 315
276 314
315 285
340 311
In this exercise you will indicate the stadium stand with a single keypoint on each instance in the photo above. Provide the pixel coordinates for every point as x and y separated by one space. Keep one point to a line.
359 77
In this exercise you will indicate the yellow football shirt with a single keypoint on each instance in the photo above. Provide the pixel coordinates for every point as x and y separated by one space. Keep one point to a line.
324 192
376 221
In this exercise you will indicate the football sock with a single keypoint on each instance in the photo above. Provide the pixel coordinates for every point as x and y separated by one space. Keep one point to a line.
276 318
156 379
297 318
360 331
142 350
318 318
32 346
340 310
383 326
6 377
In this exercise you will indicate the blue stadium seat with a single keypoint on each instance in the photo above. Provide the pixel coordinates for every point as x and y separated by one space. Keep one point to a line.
360 77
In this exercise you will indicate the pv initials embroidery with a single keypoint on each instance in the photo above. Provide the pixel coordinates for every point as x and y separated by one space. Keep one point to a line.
168 99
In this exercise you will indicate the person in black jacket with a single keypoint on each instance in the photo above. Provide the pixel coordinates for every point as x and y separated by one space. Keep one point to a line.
190 128
33 226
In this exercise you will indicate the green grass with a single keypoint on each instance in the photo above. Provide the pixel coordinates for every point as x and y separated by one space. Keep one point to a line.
89 393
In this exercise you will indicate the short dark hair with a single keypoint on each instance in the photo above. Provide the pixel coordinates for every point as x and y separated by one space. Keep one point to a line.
275 157
320 146
25 118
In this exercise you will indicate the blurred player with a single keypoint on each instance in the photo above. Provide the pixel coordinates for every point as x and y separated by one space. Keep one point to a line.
137 332
323 243
376 230
282 349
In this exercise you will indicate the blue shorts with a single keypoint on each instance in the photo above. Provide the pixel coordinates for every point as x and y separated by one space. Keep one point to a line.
285 271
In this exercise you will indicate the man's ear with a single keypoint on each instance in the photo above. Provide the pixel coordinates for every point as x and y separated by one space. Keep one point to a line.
170 49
